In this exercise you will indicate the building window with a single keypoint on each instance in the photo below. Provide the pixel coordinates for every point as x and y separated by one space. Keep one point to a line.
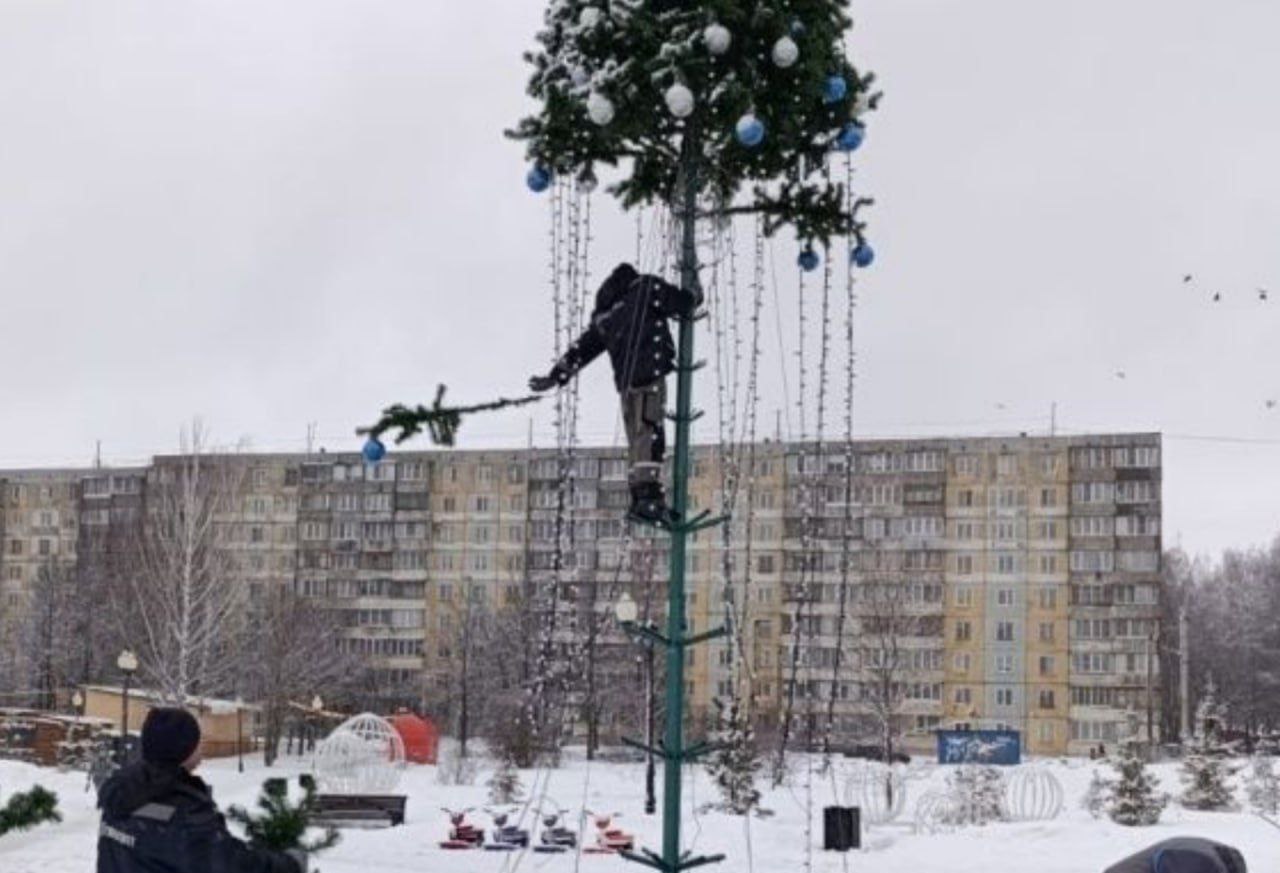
1004 631
1048 497
1004 663
1091 526
1048 598
964 596
1006 564
961 661
1004 597
1046 698
1006 465
1092 561
1004 697
1046 665
967 465
964 630
964 695
1093 492
1047 530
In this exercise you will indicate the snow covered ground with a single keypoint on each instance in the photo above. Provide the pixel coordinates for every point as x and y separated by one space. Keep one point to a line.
1072 843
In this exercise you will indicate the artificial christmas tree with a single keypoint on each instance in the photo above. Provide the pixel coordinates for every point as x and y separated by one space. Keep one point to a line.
757 137
1133 799
736 761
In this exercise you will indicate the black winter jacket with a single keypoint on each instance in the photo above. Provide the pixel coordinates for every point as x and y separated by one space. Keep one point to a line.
629 321
162 819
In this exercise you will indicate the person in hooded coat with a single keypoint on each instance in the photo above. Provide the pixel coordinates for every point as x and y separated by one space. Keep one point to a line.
159 817
1183 855
630 322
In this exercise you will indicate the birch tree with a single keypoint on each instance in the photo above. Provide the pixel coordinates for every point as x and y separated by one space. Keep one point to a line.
183 609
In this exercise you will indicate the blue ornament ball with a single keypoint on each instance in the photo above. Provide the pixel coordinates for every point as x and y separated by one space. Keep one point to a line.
808 260
863 255
373 451
538 179
834 89
851 137
750 131
797 27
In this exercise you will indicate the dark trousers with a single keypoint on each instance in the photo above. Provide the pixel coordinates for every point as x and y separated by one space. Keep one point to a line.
643 415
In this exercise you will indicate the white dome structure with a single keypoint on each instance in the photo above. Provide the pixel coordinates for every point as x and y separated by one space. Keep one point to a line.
1033 794
880 791
363 755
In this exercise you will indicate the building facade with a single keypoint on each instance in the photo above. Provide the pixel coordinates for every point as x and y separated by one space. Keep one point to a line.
984 583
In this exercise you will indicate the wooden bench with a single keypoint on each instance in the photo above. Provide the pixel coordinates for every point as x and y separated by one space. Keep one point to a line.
360 810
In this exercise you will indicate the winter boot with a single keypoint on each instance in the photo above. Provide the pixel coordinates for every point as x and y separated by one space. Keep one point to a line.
649 504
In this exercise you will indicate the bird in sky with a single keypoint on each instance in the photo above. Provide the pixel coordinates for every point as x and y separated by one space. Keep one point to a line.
1001 406
1217 297
1263 293
1271 404
1186 278
1119 374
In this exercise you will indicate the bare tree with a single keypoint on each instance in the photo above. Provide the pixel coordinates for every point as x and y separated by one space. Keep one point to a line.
887 621
184 596
50 629
293 653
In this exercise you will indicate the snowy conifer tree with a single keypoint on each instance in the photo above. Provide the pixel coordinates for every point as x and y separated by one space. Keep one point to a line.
975 796
1096 796
1264 786
733 766
504 784
702 98
1133 798
1206 770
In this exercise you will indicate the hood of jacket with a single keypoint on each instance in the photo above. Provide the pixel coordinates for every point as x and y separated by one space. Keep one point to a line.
142 782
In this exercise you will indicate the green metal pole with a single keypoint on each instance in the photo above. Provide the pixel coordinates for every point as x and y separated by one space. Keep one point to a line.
674 736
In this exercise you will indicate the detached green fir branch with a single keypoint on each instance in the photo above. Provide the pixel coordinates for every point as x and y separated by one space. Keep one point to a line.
282 825
28 809
440 421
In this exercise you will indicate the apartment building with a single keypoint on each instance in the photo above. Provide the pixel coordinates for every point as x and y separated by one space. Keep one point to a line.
990 582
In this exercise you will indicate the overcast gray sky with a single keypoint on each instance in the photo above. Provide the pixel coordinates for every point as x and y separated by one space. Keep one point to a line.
279 213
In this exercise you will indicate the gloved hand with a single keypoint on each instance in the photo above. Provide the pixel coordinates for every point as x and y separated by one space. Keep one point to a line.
299 857
543 383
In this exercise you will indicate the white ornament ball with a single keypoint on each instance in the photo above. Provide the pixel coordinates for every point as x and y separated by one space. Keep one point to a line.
579 76
718 38
679 100
600 108
589 17
785 52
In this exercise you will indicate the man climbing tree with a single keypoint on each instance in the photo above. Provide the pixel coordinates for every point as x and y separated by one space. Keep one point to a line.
630 322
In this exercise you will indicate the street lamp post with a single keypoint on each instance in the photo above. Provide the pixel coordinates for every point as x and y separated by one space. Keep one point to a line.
318 705
240 733
128 664
626 612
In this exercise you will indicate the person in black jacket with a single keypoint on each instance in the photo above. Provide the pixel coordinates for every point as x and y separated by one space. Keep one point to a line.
158 817
630 322
1183 855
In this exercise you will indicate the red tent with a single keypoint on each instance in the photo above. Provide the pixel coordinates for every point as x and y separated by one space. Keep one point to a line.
420 737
